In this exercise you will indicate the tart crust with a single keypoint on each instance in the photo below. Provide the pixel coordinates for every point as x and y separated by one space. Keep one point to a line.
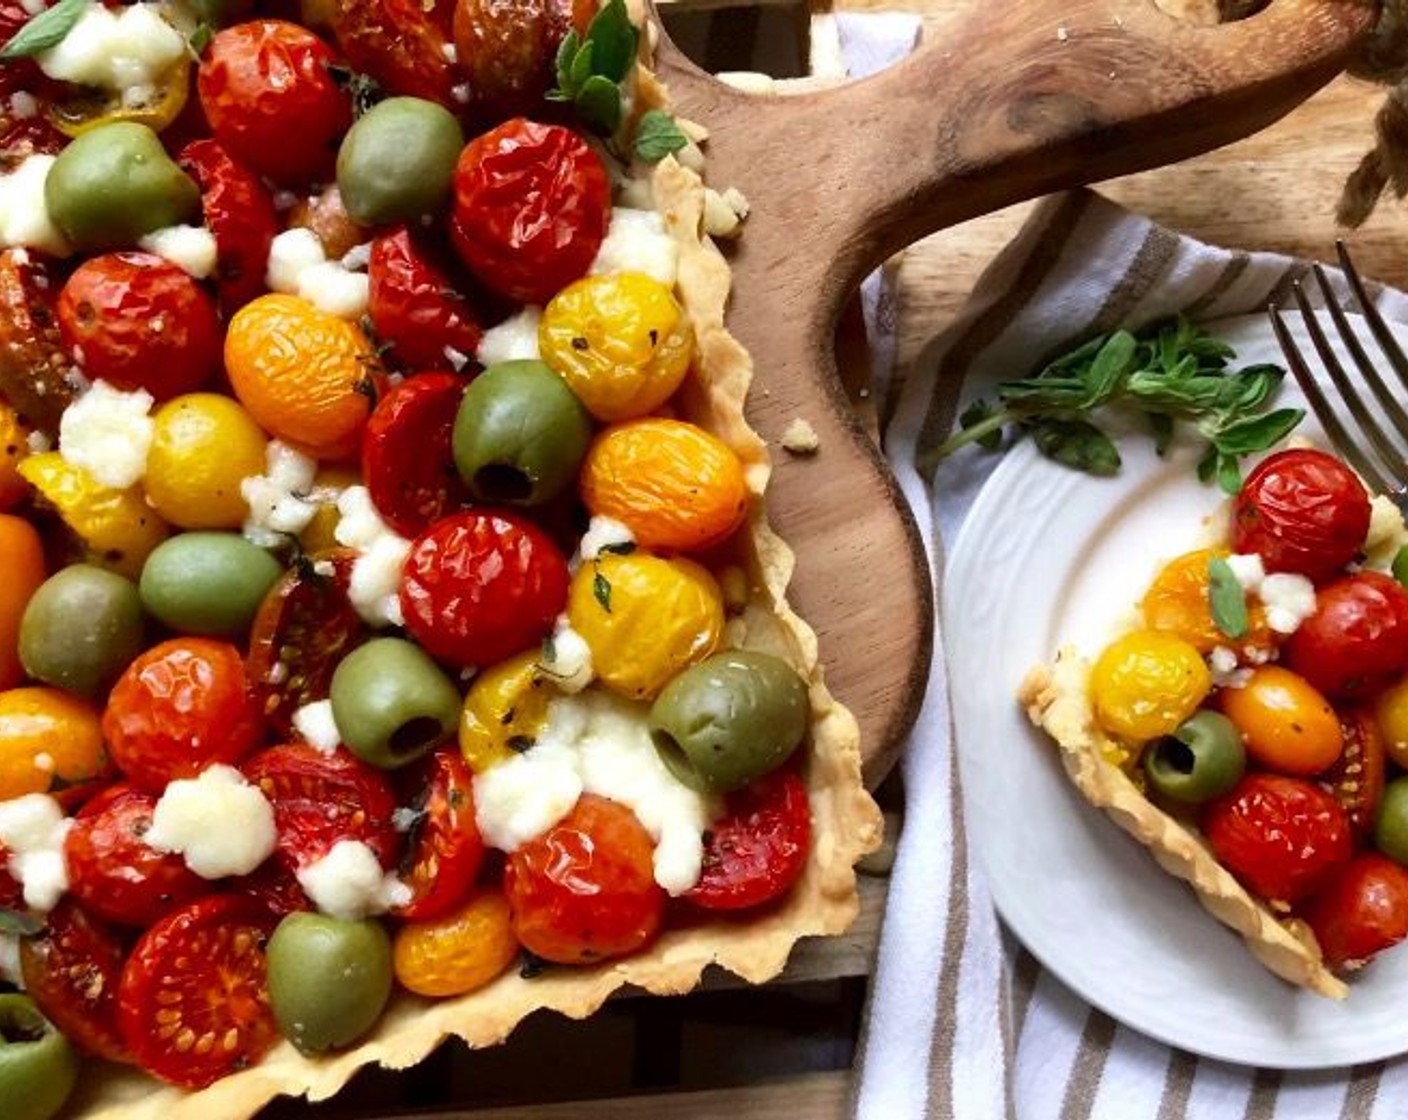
1057 700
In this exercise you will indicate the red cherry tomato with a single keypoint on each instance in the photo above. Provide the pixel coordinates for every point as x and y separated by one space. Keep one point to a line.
111 869
1356 642
11 890
34 366
1357 778
21 138
1362 911
758 849
194 997
275 888
507 51
304 627
444 851
531 207
400 44
179 707
271 100
406 458
585 890
320 799
71 970
137 321
1282 837
239 211
1301 511
414 306
481 586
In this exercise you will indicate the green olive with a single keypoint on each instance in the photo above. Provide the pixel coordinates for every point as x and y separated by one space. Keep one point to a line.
328 979
1400 565
38 1067
731 718
396 164
1391 824
520 434
115 183
1202 759
81 629
392 703
207 583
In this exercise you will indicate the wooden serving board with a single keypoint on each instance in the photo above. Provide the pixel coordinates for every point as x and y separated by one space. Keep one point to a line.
1017 100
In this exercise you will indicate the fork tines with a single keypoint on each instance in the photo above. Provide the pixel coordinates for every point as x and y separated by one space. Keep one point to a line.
1380 458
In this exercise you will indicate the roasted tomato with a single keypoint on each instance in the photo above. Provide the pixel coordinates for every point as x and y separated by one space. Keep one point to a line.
23 550
1356 642
22 137
1362 911
406 460
71 969
401 45
444 851
194 1000
327 217
179 707
1357 779
137 321
1285 723
304 627
1301 511
111 869
506 49
531 207
585 890
274 887
239 211
11 890
267 89
414 307
758 849
34 367
1282 837
320 799
481 586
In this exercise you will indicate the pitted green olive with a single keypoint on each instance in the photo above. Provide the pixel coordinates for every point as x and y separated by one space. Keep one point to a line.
729 719
392 703
396 164
329 979
1202 759
38 1067
207 583
81 629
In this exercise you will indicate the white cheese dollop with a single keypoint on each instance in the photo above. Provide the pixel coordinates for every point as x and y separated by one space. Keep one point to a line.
566 658
298 266
108 433
526 795
636 241
1289 599
316 724
217 822
375 586
278 498
191 248
603 533
1248 569
349 883
24 218
33 828
513 339
123 50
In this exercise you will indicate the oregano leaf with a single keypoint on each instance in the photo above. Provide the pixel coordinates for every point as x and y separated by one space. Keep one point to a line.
1226 598
45 30
658 136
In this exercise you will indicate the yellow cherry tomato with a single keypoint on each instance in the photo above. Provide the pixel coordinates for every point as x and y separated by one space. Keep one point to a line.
47 737
1285 723
158 106
645 619
117 528
321 533
459 953
14 446
1147 683
1177 603
620 341
504 709
204 445
22 561
1391 710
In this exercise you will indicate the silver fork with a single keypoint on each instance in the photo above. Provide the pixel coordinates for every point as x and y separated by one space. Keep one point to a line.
1380 458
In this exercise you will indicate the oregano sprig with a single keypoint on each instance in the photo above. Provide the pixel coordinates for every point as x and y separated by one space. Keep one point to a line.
591 67
44 31
657 136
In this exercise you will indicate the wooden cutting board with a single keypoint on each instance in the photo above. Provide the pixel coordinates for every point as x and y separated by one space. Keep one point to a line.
1017 100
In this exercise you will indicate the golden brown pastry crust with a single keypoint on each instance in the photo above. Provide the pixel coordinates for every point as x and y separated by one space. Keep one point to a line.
1057 700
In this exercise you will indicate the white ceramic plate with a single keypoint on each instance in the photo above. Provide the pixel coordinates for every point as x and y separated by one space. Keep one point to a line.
1048 556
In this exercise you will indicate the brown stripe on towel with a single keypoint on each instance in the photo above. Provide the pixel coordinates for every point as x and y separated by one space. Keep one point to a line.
1261 1105
1026 970
1150 262
1050 242
1282 295
1362 1092
1178 1085
1231 273
1084 1081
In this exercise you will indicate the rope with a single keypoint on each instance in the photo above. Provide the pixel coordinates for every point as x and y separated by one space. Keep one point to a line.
1383 58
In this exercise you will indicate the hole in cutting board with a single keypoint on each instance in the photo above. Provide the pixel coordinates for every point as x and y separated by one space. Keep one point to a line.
771 38
1207 13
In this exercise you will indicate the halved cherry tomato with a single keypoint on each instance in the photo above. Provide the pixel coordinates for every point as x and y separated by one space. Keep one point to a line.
507 50
1362 911
531 206
1357 778
444 851
585 890
258 80
481 586
71 969
113 872
21 138
1283 838
304 627
138 321
401 45
179 707
23 553
274 887
414 305
1356 642
194 999
1286 724
406 459
34 366
239 211
1301 511
758 849
320 799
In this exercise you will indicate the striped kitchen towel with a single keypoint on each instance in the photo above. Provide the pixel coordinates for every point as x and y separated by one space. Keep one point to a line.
963 1023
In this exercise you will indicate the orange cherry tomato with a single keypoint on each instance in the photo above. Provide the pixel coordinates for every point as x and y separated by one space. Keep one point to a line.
22 561
47 737
14 446
1286 725
457 953
1177 603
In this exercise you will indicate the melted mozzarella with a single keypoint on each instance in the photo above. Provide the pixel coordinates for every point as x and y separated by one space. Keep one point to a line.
349 883
217 822
108 433
33 828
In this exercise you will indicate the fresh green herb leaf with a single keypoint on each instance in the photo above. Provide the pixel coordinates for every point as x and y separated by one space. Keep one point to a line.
1207 465
580 69
1078 444
200 38
45 30
601 588
566 52
658 136
1251 434
598 103
16 923
614 37
1227 598
980 414
590 68
1229 474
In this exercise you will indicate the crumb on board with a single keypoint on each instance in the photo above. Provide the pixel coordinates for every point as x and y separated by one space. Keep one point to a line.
800 438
